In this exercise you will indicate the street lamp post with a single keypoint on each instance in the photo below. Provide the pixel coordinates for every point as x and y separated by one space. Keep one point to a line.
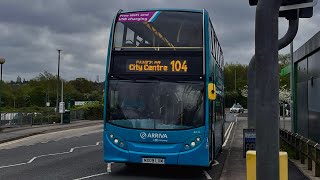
235 79
235 83
2 61
58 81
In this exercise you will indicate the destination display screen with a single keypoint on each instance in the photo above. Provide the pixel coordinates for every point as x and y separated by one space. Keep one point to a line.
163 65
157 65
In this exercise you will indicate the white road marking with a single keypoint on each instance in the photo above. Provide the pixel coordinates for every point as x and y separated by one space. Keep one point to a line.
227 130
31 160
215 163
95 175
207 174
46 155
12 165
225 142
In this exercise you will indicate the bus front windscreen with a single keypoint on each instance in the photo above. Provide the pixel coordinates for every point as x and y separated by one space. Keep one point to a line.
155 104
159 30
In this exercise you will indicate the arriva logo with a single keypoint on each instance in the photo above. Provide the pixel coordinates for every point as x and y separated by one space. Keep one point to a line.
144 135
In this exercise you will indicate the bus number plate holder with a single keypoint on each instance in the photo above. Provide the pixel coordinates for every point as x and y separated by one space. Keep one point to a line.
153 160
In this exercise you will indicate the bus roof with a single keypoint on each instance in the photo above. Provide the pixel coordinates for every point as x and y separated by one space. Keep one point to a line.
165 9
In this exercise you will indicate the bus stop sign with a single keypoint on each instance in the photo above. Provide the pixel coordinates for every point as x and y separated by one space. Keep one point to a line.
289 8
249 140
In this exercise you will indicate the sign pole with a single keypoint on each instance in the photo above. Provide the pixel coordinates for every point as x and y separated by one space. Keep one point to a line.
267 99
291 89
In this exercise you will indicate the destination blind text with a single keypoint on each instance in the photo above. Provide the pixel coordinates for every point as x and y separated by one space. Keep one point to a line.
158 66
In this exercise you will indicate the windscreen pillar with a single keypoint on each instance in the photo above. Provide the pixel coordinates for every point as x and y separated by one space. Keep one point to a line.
267 89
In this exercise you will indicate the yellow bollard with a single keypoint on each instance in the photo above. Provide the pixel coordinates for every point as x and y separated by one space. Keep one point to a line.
251 165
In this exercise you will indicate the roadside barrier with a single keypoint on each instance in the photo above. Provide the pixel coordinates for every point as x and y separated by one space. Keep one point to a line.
19 119
304 150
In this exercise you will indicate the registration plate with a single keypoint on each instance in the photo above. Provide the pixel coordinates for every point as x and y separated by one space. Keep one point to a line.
153 161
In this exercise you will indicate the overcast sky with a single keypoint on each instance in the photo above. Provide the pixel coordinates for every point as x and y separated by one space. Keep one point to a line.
32 30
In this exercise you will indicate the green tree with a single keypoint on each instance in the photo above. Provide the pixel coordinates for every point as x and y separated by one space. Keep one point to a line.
235 78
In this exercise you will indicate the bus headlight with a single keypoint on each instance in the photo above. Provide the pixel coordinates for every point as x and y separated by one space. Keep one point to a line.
192 143
116 140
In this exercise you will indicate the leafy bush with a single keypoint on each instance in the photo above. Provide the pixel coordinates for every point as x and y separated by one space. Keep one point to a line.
46 118
92 111
28 109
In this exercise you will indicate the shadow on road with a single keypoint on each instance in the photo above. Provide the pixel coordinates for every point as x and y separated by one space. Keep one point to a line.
159 171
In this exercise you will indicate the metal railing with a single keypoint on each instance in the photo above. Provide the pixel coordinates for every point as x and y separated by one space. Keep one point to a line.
19 119
304 150
77 115
25 119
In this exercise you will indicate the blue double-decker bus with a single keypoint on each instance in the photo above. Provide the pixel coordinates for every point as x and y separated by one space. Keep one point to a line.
164 91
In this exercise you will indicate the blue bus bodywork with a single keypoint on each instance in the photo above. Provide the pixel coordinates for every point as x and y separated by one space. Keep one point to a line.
128 145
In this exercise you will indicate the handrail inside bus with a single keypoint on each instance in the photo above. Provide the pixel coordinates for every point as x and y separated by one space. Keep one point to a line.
156 32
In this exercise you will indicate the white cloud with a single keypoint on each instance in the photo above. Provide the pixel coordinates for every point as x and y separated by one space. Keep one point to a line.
31 31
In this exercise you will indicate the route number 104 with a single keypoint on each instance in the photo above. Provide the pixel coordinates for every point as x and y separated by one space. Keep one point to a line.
177 66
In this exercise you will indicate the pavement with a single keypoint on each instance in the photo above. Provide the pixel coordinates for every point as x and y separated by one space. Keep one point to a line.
235 164
10 134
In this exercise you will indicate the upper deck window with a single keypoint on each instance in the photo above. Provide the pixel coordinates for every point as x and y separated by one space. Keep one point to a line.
158 31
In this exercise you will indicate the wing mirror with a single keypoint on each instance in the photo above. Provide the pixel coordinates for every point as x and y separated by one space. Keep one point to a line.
212 93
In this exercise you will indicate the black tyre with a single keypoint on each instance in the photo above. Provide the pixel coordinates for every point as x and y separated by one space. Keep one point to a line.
208 168
132 165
